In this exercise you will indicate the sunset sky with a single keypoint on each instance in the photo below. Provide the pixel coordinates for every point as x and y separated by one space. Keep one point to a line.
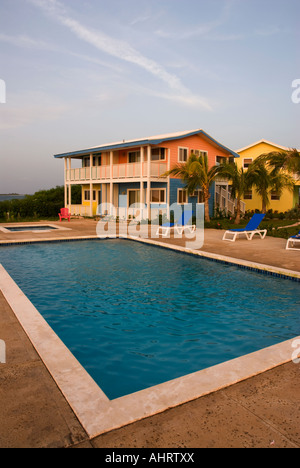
83 73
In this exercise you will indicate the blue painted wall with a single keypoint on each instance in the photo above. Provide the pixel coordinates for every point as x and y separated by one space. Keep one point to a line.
175 184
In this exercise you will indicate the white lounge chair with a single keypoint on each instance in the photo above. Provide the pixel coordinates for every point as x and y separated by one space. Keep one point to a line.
180 227
249 231
292 241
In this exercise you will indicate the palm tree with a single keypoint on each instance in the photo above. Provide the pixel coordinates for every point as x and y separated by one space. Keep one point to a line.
196 173
241 181
266 181
286 160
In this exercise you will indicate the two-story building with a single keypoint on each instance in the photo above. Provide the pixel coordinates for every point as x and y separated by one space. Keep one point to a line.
129 172
278 202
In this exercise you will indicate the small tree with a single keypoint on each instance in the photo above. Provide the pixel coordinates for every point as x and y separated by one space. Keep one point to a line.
195 173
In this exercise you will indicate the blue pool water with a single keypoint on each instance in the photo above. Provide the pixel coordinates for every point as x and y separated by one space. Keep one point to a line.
136 315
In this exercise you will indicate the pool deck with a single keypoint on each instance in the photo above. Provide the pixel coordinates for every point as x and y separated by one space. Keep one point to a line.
262 411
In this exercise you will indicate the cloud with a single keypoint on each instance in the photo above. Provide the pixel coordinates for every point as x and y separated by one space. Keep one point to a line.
116 48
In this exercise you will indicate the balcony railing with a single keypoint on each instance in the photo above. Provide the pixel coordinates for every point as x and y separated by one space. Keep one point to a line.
119 171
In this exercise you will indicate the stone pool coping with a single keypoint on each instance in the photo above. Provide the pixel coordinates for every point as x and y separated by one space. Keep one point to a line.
4 228
95 411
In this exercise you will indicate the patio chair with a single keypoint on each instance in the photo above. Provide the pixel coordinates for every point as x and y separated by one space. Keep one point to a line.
249 231
64 214
293 240
180 226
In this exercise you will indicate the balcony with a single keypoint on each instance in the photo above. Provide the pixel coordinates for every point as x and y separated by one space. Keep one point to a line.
120 172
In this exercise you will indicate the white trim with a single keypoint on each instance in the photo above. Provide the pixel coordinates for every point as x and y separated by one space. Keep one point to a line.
183 148
165 195
159 148
263 141
132 190
187 196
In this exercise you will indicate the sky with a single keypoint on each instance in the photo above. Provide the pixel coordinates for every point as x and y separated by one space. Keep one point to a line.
83 73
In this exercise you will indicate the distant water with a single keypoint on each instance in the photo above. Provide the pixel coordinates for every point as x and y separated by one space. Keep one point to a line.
11 197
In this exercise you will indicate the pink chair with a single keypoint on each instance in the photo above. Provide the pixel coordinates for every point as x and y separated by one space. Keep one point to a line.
64 214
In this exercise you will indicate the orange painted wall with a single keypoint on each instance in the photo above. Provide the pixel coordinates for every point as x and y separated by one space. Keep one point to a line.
195 142
123 157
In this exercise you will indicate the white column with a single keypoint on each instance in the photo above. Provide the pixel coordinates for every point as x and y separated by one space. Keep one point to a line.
70 197
111 187
148 181
91 186
65 179
141 175
168 189
91 167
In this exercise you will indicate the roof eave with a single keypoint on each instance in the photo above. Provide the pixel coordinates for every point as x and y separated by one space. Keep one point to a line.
150 141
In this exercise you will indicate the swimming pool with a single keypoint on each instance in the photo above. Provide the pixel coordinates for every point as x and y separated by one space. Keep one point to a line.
135 315
26 228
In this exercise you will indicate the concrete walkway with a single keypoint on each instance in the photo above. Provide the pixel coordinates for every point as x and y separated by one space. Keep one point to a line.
262 411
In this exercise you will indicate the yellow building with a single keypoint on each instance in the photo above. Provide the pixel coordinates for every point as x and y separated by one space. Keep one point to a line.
281 203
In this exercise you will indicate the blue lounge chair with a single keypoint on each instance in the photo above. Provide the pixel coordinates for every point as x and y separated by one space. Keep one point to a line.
180 226
249 231
293 240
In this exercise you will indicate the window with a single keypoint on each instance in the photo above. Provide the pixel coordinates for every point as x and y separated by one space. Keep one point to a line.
220 160
158 196
199 152
158 154
247 163
199 195
97 160
133 197
182 196
183 154
248 195
86 162
87 196
275 195
134 156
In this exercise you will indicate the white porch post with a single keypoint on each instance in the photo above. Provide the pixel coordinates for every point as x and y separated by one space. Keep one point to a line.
91 186
66 187
148 181
168 190
142 180
111 187
70 193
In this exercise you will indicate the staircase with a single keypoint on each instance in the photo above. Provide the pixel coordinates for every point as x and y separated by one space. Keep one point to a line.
225 202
